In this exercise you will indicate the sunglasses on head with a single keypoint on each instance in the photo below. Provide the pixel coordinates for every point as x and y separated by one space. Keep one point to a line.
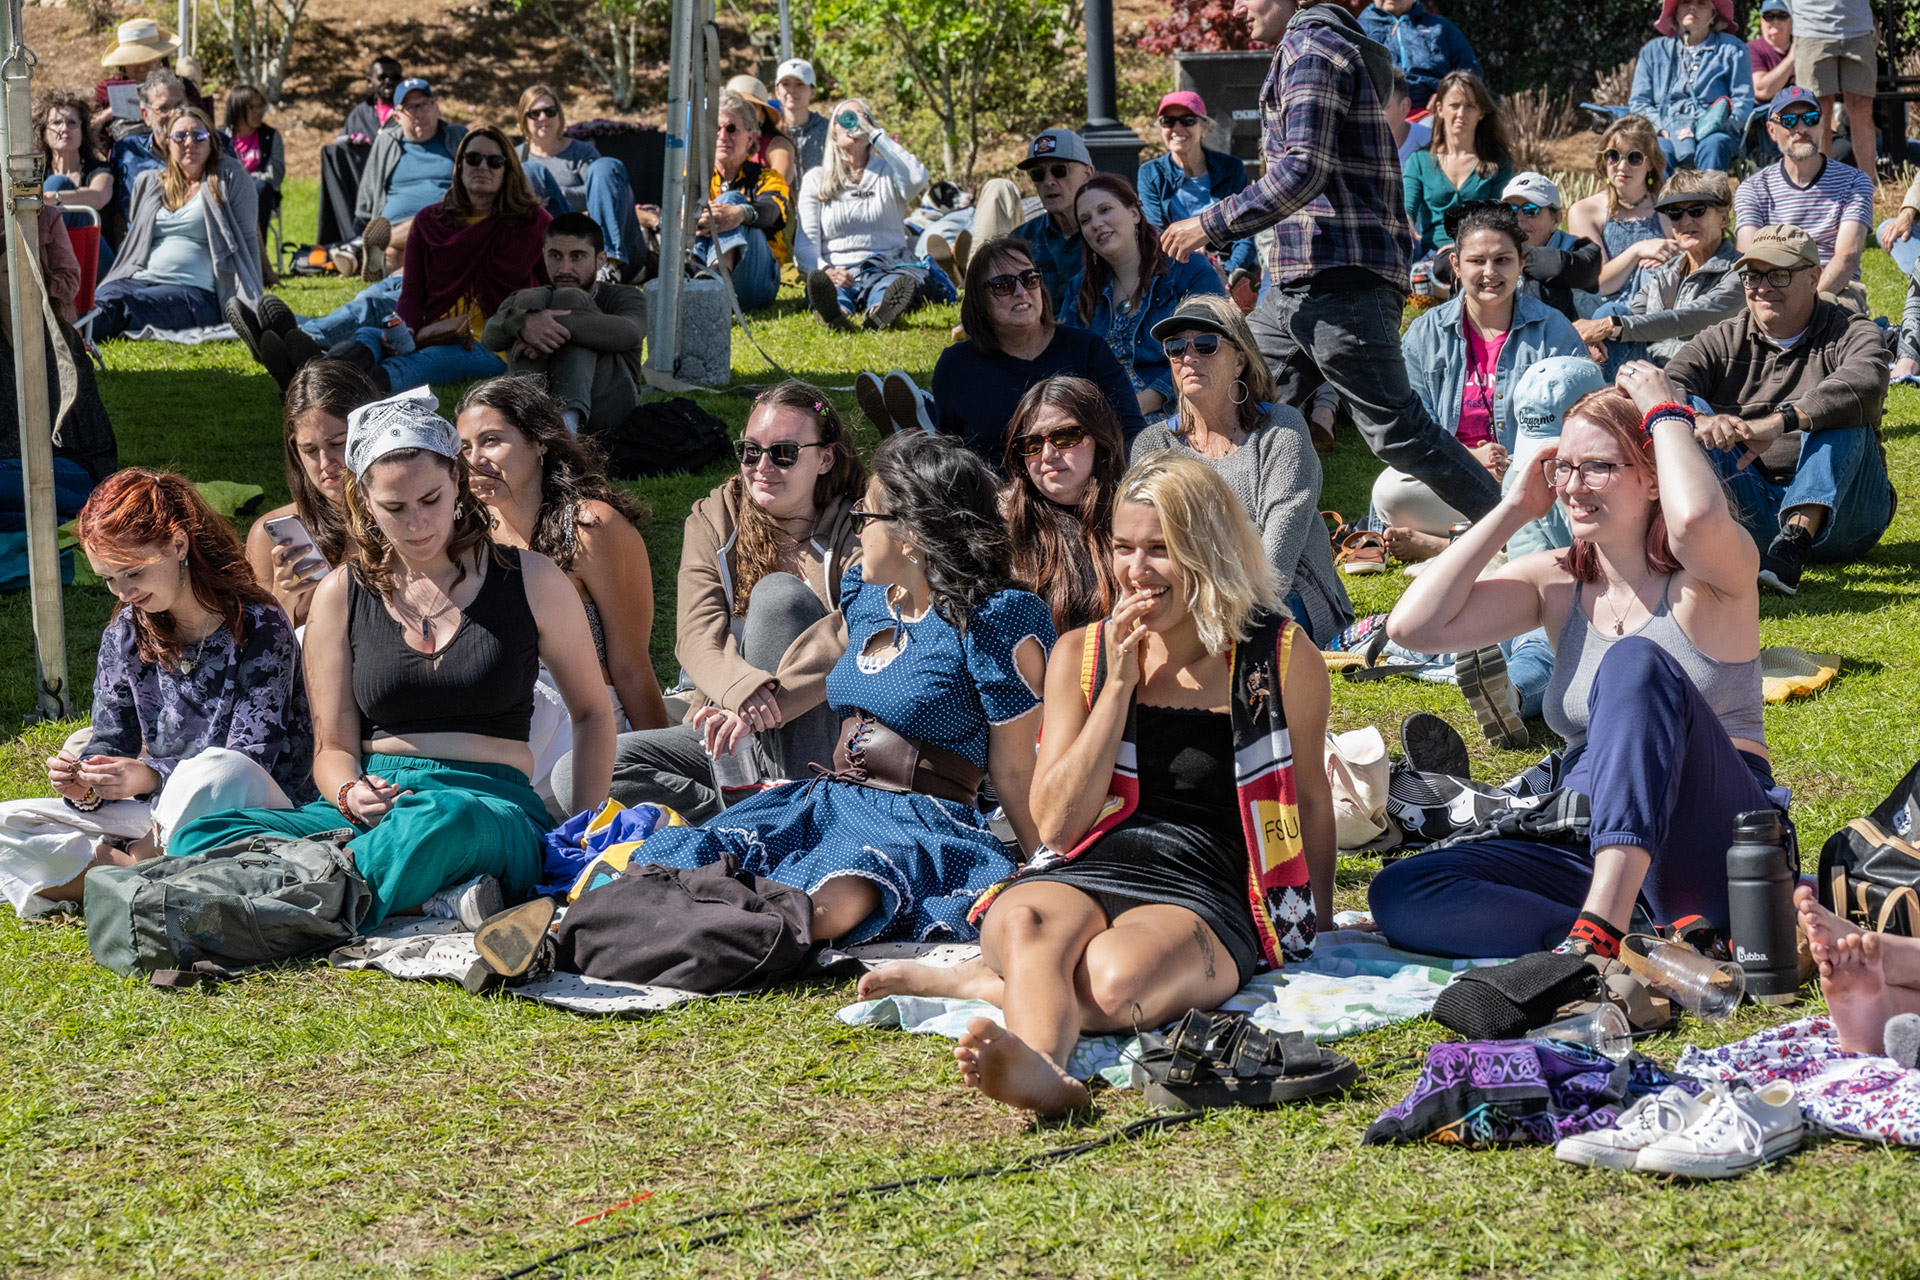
478 158
1057 172
1634 159
783 452
542 113
1677 212
1792 119
1203 344
187 138
1186 121
1063 439
1002 286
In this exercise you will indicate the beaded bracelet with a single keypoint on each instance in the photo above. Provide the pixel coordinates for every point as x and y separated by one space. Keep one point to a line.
87 803
340 799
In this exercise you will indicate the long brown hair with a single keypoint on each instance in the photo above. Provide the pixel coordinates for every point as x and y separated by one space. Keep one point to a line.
173 180
1094 271
334 388
1613 411
514 204
756 544
372 556
572 471
1490 140
976 313
60 99
1065 554
134 509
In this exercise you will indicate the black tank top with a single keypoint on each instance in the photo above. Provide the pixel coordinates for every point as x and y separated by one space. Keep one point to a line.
480 682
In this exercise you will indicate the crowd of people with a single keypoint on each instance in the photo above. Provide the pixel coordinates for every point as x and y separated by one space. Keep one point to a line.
1082 588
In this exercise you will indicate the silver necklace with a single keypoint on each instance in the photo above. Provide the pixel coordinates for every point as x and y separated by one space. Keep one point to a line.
199 646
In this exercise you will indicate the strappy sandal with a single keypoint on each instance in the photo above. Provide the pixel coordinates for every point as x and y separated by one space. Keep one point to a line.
1362 551
1215 1060
1339 528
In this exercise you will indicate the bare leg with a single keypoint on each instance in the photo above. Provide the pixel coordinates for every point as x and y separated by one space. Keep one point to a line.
1618 872
1860 130
974 980
1409 546
105 854
397 246
841 904
1153 965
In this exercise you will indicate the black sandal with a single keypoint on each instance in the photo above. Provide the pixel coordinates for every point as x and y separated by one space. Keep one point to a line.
514 947
1226 1060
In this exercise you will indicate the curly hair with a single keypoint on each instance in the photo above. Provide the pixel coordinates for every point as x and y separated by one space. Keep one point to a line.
756 546
1065 554
60 99
515 202
1490 141
334 388
1226 576
1094 271
132 510
946 503
372 556
572 469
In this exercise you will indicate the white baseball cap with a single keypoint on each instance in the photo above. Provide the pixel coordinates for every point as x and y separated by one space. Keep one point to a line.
1533 188
798 68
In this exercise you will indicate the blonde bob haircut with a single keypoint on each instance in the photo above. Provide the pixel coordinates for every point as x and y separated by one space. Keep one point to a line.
1225 573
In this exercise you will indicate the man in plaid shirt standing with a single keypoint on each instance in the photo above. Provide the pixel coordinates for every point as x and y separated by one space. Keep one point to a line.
1342 243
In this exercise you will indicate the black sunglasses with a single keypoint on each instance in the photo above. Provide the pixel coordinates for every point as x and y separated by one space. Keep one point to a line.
1792 119
476 159
1055 171
1203 344
860 518
1063 439
1677 212
1185 122
541 113
1633 158
783 452
1003 286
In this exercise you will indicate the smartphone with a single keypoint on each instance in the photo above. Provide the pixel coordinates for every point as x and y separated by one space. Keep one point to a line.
289 532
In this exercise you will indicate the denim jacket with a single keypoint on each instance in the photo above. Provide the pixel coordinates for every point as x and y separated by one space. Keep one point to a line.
1425 46
1161 177
1435 348
1662 95
1130 336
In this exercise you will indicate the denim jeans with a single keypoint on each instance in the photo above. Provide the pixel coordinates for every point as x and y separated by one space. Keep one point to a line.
1619 351
1842 472
1529 669
756 275
610 205
71 487
436 365
368 309
870 280
1351 339
128 305
1716 152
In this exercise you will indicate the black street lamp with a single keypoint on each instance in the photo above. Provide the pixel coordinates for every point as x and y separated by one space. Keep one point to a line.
1115 147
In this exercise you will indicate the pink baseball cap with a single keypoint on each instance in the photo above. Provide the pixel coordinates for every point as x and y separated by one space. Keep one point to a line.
1185 100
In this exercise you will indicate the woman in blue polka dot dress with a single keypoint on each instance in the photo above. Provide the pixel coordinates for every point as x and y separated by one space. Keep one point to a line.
942 649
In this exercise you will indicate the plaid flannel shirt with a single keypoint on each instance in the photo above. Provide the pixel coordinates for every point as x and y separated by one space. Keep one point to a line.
1332 188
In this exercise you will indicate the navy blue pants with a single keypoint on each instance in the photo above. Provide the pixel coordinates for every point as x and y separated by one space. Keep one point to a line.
1660 774
128 305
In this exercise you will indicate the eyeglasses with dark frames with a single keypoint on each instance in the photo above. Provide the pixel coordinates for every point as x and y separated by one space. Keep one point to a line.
1057 172
542 113
1634 159
1002 286
783 453
861 518
1595 474
1794 119
1677 212
1179 122
1530 208
1778 278
474 159
1201 344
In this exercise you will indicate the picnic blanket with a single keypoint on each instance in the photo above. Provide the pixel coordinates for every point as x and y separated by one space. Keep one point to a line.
1856 1095
1353 982
190 337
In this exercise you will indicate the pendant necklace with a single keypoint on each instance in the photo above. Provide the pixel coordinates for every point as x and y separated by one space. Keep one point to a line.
1619 619
426 632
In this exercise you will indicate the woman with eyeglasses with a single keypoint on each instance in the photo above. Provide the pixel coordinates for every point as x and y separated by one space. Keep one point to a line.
1654 613
78 177
853 249
1468 158
590 183
1063 463
1621 216
1192 178
1013 341
748 204
1675 300
1694 81
756 628
1228 416
1127 284
192 238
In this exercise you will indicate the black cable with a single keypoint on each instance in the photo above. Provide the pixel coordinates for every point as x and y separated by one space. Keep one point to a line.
821 1204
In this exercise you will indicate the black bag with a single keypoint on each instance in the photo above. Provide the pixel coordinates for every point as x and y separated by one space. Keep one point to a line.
662 437
716 928
1870 870
1505 1001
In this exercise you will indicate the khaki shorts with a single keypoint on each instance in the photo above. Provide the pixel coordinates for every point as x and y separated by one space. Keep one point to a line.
1835 66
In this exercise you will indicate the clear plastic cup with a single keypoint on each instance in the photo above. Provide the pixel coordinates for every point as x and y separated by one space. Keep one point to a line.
1604 1030
1707 987
735 771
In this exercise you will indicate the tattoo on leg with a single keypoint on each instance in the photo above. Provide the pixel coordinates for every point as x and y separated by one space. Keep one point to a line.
1201 936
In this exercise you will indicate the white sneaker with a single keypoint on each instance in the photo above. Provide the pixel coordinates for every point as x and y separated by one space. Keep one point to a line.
470 903
1647 1121
1742 1129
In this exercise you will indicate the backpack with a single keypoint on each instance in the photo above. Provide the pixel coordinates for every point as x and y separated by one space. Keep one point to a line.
662 437
1870 869
252 902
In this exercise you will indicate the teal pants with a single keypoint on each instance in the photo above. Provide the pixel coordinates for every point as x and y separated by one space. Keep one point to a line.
456 821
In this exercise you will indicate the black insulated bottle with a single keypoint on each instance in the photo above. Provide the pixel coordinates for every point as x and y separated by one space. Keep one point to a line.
1760 884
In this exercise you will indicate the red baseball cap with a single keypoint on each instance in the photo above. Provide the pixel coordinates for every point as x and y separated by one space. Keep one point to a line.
1185 100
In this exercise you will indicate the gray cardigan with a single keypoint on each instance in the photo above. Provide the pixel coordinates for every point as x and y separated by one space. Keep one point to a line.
1672 304
1276 476
371 200
233 232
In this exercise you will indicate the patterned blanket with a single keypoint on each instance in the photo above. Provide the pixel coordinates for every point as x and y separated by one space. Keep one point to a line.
1852 1094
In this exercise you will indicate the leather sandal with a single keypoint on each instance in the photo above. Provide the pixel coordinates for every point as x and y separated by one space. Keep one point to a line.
1215 1060
1362 551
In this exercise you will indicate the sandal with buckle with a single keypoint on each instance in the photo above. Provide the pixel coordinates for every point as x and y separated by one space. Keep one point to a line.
1362 551
1214 1060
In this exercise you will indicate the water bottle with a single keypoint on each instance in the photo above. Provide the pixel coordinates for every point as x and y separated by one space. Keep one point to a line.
399 337
1760 884
735 772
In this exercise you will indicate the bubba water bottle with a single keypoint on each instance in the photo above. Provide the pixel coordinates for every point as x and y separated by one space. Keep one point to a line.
1760 884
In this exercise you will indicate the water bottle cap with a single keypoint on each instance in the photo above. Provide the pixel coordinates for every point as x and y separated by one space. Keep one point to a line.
1760 824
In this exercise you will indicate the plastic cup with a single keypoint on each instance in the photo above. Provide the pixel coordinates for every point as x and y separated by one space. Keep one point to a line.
1604 1030
1710 988
735 771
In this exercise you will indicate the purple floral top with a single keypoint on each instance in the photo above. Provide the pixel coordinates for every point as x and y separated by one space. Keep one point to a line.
252 701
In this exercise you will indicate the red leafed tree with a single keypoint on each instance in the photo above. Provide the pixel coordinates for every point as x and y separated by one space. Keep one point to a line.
1199 26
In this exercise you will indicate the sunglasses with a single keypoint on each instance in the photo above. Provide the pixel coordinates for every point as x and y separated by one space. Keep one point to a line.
1063 439
1203 344
783 452
1793 119
1634 159
1179 122
1778 277
542 113
861 518
1677 212
1057 172
1594 474
475 159
730 127
184 138
1003 286
1530 208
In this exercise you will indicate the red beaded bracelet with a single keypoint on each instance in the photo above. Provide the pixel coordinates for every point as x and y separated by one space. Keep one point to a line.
340 799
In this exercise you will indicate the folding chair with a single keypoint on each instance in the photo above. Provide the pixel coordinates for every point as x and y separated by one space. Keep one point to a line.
86 249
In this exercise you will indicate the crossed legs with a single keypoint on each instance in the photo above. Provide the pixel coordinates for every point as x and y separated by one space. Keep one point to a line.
1866 977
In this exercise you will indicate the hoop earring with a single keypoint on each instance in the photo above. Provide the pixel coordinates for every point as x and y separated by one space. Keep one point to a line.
1241 387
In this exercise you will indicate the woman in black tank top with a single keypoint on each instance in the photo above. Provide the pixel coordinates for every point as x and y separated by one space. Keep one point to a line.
421 652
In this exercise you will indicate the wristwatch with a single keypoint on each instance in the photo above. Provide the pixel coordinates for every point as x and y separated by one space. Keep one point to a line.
1789 417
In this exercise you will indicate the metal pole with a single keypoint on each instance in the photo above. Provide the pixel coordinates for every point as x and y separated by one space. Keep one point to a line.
786 32
1115 147
27 308
183 26
663 347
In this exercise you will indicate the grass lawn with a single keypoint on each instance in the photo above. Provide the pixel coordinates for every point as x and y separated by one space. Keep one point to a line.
321 1124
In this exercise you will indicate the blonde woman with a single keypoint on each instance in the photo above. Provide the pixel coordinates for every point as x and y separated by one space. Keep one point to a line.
853 245
192 238
1168 781
1621 216
591 183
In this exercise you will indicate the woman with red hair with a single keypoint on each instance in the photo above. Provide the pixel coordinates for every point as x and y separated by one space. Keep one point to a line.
1655 615
198 704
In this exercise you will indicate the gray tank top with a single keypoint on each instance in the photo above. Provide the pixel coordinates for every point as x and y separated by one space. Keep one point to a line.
1732 689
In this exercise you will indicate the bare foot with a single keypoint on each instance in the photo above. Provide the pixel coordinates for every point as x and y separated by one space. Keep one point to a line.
1822 927
1856 992
1410 546
970 981
1008 1069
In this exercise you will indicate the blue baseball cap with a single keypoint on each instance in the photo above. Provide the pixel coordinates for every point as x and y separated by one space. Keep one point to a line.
1542 397
1791 94
1775 6
414 85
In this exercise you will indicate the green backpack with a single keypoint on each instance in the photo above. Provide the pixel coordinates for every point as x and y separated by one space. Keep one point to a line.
249 903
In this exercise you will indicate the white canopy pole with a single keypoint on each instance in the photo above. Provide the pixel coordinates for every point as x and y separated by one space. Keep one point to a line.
786 32
663 344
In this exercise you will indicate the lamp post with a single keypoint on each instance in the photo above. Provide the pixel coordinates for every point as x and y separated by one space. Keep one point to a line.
1114 146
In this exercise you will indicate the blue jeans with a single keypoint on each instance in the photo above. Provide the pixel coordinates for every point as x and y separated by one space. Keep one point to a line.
128 305
1621 351
1529 669
870 280
436 365
1661 775
1906 253
756 275
368 309
1715 152
610 205
71 486
1842 472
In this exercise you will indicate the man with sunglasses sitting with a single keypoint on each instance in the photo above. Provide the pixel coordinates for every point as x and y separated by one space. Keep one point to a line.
1792 391
1830 201
1059 164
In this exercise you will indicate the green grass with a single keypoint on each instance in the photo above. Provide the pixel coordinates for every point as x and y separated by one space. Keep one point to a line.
317 1123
